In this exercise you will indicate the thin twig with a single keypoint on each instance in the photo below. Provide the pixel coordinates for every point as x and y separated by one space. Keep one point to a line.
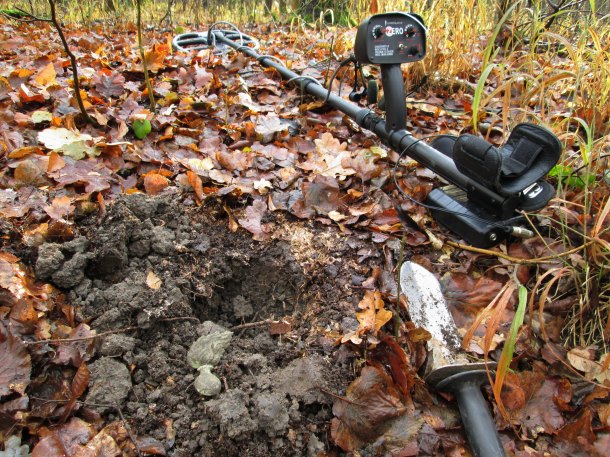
98 335
73 64
516 260
252 325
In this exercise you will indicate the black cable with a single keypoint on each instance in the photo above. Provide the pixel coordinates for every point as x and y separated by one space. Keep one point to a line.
345 62
432 207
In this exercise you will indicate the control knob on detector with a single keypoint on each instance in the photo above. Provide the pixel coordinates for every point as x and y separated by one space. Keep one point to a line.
377 31
409 30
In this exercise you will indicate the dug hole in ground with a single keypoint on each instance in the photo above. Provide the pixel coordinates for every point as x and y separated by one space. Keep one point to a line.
177 274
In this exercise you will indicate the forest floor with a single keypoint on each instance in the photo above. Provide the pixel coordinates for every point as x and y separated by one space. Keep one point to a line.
260 224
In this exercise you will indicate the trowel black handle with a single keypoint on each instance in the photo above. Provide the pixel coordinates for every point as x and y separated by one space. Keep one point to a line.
478 423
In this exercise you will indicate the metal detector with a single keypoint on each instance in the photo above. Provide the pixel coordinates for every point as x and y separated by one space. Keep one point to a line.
488 187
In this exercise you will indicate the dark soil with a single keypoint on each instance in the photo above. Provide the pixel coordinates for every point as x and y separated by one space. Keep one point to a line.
272 400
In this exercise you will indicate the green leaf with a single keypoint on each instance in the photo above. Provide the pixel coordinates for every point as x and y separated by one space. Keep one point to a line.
141 128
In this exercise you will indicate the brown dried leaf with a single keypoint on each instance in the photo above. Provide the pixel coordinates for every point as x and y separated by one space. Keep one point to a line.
60 209
371 402
252 221
15 364
66 440
154 183
155 58
109 83
55 162
322 194
197 185
150 446
581 428
279 328
31 172
153 281
541 413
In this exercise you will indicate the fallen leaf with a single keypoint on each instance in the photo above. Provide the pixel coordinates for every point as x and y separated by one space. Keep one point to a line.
68 142
156 56
27 96
373 315
581 428
154 183
153 281
583 360
46 76
371 401
66 440
252 221
60 209
109 83
15 364
279 328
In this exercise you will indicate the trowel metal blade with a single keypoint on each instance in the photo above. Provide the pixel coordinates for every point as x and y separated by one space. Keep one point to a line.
428 310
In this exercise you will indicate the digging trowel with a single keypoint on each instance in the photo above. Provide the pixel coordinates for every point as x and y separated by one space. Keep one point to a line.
447 368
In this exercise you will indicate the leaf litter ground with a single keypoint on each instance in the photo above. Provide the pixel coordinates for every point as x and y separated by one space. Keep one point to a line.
309 369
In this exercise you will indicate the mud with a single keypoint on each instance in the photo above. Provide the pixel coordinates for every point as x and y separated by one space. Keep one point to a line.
171 270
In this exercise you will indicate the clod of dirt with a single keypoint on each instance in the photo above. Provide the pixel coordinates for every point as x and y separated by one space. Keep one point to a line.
117 345
110 383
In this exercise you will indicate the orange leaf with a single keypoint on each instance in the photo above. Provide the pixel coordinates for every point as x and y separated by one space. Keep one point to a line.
81 380
46 76
27 96
197 185
373 315
60 208
154 183
374 9
55 162
156 56
24 152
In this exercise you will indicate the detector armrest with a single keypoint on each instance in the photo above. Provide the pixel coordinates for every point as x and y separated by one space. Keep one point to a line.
528 155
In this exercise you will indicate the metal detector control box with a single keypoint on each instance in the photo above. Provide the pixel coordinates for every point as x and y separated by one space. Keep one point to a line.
391 38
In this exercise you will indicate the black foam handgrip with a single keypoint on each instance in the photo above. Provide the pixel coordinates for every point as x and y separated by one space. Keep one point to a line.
478 159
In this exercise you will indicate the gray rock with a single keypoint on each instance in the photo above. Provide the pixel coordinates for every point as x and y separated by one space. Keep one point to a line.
50 259
117 344
314 446
80 245
14 448
110 384
241 308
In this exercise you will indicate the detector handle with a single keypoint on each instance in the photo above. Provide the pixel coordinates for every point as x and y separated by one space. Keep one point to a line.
394 93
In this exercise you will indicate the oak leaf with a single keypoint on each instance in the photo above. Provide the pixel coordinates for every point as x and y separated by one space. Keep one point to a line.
15 364
373 315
